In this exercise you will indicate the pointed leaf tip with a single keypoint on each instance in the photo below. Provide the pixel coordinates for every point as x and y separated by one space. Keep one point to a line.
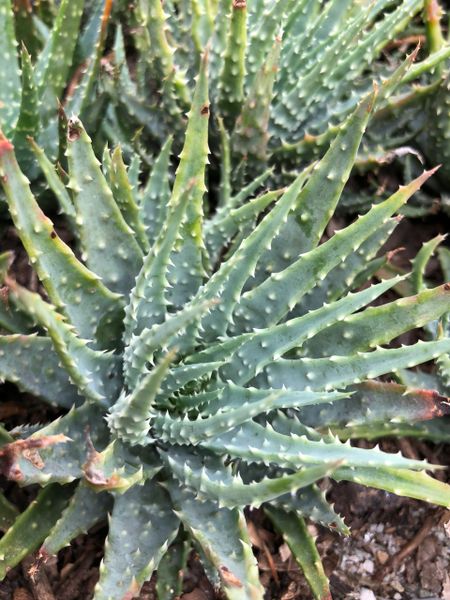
412 57
417 183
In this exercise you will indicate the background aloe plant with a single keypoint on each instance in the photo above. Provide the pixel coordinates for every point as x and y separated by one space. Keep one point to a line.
420 116
283 75
204 360
51 56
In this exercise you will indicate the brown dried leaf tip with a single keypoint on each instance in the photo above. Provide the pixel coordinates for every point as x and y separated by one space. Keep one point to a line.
434 405
73 130
133 590
229 578
92 470
5 145
433 11
28 449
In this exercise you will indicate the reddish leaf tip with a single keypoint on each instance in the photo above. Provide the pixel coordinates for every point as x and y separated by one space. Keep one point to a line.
5 145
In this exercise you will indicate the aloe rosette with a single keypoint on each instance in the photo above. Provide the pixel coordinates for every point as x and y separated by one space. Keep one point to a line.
208 360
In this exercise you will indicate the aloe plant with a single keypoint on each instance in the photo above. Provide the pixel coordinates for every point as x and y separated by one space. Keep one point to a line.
435 139
422 119
283 74
48 59
201 360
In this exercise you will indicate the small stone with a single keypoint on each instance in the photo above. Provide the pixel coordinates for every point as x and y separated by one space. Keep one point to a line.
284 552
397 586
368 566
382 557
366 594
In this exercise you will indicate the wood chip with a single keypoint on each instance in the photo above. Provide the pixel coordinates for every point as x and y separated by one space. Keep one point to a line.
284 552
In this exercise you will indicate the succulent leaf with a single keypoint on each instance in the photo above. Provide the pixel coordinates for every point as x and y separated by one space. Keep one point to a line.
11 90
69 284
211 479
156 194
86 508
301 543
142 526
225 542
31 362
103 230
33 525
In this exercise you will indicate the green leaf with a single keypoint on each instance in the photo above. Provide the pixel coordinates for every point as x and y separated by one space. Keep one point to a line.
8 513
85 509
335 371
118 467
375 403
130 416
32 526
310 502
82 99
231 82
272 300
142 526
226 225
108 242
156 194
301 543
400 482
90 306
63 462
251 134
28 123
269 344
280 443
420 262
96 374
123 195
379 325
161 60
232 407
32 364
211 480
348 275
225 542
227 282
55 61
55 184
171 569
149 344
191 173
148 303
10 92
